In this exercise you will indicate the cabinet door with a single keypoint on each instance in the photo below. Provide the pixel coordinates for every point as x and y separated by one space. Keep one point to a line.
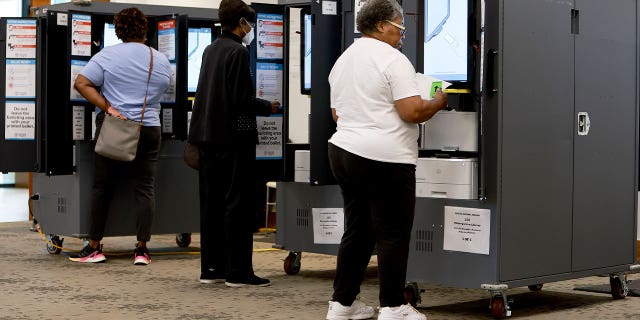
536 154
605 158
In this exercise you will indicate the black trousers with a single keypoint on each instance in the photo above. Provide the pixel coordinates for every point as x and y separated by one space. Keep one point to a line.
379 205
227 210
141 173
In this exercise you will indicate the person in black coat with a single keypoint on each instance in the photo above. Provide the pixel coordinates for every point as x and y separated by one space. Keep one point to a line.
223 126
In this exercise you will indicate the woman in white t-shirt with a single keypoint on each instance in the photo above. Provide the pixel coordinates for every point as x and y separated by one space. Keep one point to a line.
377 106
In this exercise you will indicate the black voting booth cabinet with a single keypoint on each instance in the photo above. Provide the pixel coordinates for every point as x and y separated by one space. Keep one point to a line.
49 127
552 167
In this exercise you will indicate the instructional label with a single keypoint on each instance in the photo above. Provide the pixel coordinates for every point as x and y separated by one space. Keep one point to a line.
62 19
167 120
467 229
20 79
20 120
270 37
78 122
81 35
93 125
269 137
330 8
21 39
269 81
169 96
76 68
167 38
328 225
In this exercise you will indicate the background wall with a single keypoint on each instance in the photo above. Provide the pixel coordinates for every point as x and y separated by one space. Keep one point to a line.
10 8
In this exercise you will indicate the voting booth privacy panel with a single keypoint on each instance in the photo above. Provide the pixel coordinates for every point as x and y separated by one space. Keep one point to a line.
57 142
19 88
554 171
49 128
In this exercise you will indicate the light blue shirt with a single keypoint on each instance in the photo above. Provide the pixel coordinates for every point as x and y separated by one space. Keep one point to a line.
121 71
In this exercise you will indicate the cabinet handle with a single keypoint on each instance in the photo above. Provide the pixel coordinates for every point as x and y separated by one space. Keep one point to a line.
438 194
583 123
491 72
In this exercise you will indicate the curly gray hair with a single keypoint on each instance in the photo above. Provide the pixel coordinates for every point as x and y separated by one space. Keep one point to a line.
375 11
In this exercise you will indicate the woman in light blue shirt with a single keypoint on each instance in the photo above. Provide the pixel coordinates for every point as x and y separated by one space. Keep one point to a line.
121 72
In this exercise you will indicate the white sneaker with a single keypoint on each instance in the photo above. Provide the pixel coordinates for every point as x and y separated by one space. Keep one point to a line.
403 312
357 310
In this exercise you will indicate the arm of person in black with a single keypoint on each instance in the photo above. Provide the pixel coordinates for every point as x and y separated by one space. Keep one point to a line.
242 89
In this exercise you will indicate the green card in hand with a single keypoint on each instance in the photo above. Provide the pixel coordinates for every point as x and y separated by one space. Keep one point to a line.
434 87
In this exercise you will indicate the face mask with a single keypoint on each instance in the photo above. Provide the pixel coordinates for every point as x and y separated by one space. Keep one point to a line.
248 37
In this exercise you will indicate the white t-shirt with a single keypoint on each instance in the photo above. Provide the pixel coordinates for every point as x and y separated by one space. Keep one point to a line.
365 81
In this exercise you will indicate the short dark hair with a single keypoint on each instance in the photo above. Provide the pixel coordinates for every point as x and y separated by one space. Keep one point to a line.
375 11
131 24
230 12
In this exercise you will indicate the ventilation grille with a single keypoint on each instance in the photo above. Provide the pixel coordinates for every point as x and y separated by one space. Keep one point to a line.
302 217
424 240
62 205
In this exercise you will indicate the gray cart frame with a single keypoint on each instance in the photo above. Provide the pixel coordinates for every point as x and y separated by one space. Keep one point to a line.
63 204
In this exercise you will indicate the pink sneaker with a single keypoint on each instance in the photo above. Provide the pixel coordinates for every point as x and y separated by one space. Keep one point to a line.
89 255
141 256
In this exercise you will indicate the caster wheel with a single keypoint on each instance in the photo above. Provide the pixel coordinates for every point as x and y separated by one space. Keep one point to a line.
618 289
498 310
536 287
183 240
292 263
57 242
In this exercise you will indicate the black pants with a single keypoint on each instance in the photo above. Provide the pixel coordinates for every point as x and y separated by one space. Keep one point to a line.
141 173
227 204
379 205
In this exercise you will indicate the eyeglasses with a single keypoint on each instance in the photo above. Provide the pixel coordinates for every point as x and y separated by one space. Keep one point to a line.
402 28
251 24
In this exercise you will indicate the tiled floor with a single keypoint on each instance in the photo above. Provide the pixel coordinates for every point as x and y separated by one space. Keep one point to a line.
14 204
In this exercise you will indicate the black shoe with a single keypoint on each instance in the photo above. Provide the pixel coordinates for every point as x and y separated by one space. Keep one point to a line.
212 275
251 280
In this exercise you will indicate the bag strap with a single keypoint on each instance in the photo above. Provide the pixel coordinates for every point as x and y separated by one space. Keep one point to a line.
144 104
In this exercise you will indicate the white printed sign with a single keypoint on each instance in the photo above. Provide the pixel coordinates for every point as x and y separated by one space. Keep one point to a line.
270 37
330 8
167 120
21 39
78 122
20 79
76 68
269 137
81 35
328 225
20 120
167 38
467 229
169 96
269 81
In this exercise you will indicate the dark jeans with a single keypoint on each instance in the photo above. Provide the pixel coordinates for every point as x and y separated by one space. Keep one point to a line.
379 204
227 210
141 173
